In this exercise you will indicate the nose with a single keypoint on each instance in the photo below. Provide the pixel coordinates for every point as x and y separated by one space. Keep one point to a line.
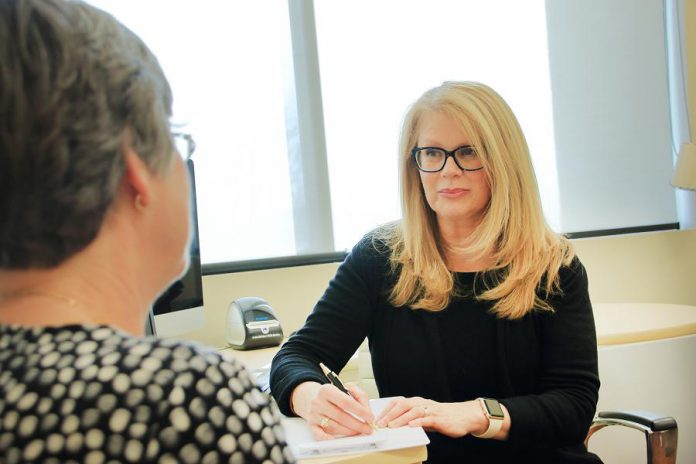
451 168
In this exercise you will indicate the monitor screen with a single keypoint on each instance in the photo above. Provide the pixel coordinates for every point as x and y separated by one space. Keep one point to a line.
180 308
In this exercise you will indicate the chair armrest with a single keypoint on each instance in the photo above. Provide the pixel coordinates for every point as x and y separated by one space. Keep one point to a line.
660 431
640 420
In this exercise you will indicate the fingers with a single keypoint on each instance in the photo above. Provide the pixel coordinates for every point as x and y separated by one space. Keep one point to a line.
352 413
386 411
402 411
320 434
339 413
330 429
361 397
359 394
408 414
393 410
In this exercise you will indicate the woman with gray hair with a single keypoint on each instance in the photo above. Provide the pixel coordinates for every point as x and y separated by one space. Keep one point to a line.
94 201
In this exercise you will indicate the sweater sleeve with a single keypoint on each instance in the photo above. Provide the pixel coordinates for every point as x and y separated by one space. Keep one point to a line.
562 410
334 330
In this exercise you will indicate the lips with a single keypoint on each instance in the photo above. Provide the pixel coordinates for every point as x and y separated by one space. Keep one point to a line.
453 192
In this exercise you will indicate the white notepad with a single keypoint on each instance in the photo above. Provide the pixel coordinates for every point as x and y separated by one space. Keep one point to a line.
303 445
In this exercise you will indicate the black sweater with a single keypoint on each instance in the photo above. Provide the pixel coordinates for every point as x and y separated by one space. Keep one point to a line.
542 367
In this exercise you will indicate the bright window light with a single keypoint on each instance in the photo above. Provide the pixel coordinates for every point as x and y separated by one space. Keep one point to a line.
376 58
226 63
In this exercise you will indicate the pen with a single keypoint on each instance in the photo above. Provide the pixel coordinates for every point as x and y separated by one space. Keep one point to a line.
333 378
336 382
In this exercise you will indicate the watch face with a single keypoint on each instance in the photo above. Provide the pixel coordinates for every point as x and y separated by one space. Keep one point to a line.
494 408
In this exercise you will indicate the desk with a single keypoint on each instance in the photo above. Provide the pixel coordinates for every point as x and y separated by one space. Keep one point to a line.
253 359
620 323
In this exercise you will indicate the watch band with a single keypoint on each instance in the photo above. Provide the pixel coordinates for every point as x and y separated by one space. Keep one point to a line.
492 410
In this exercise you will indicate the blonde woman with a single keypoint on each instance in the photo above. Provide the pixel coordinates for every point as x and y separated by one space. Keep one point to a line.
477 313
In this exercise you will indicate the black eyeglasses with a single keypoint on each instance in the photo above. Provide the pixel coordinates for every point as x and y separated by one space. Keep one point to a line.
185 145
433 159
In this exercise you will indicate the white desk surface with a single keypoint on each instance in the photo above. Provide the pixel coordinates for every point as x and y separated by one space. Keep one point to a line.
254 359
620 323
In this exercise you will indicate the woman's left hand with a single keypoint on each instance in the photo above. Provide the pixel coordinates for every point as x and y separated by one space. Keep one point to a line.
451 419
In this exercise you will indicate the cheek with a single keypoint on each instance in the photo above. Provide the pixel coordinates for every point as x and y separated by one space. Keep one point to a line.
185 214
427 183
182 225
483 186
487 191
180 201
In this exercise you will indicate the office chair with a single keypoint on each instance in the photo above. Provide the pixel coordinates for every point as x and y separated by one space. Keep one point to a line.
660 432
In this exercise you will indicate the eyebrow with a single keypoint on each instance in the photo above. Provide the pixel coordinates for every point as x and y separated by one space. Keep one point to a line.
443 148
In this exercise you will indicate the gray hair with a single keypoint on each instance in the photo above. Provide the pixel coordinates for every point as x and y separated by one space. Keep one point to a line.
74 85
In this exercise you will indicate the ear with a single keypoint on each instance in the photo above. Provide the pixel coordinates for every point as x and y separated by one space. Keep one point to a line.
136 178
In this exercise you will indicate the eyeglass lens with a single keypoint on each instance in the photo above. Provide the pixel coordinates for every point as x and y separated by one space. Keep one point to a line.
434 159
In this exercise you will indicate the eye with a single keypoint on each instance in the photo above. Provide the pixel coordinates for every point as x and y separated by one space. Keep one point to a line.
466 150
432 152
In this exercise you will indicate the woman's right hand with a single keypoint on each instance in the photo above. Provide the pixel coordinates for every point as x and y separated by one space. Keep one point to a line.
330 412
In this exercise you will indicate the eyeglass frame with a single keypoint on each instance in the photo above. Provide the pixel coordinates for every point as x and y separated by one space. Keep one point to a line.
448 154
191 144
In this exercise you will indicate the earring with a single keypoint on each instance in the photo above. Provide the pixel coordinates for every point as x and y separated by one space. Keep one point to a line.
139 204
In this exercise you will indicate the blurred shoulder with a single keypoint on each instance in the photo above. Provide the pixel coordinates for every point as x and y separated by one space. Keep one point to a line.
166 361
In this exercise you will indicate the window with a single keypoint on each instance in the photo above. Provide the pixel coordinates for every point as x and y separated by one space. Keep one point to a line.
227 65
278 93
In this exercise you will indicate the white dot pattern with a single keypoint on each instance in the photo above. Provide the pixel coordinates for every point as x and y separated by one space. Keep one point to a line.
95 394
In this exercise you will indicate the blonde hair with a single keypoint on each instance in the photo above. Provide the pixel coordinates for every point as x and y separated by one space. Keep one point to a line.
527 254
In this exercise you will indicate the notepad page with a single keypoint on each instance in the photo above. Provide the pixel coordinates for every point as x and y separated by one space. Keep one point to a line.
303 445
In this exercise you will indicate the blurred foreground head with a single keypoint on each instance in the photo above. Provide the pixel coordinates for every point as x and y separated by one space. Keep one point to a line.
75 86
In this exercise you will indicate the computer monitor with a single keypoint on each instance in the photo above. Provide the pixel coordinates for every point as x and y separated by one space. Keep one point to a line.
180 308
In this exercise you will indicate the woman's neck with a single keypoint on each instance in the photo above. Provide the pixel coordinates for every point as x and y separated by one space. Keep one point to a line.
463 263
455 238
72 293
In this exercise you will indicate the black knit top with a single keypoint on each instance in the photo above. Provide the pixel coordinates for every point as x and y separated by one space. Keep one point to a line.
542 367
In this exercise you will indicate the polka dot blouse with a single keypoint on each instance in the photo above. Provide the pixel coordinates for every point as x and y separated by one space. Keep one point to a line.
94 394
